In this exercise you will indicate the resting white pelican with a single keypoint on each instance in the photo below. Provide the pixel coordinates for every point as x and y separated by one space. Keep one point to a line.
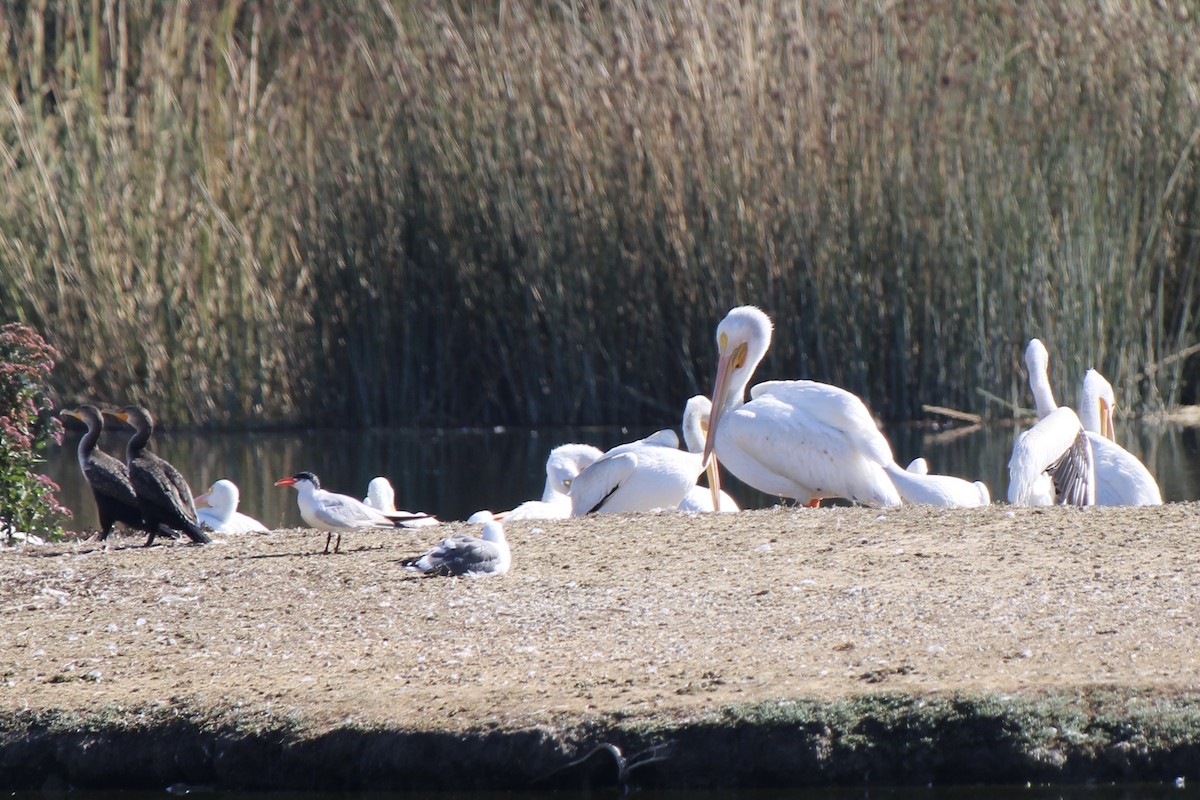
1052 462
333 513
648 474
562 465
798 439
916 485
470 556
217 508
382 497
696 414
1121 479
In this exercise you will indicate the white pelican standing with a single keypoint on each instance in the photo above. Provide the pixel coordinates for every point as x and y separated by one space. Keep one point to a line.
469 556
1052 462
645 475
696 414
217 508
916 485
382 497
800 439
1121 479
333 513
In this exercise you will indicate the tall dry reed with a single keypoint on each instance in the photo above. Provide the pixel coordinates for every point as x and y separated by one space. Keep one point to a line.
535 213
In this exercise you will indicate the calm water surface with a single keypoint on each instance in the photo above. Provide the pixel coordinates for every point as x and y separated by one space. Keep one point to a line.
454 473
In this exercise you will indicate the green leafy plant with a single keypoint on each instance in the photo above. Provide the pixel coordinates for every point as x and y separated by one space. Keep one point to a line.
27 497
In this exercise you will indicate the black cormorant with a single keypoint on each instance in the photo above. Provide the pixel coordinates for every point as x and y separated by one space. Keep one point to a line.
164 496
108 477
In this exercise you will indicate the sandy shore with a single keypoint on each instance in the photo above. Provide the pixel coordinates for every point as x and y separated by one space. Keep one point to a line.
846 644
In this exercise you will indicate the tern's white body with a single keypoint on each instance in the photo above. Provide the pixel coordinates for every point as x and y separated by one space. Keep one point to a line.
800 439
382 497
469 556
217 509
937 490
651 473
330 511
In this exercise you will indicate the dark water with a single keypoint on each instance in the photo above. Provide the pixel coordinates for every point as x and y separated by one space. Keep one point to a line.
454 473
1166 791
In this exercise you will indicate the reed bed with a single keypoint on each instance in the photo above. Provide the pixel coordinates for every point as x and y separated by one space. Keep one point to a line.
534 213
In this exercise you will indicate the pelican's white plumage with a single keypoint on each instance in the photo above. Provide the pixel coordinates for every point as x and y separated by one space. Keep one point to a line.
563 464
381 496
916 485
800 439
1058 447
696 414
469 556
645 475
1121 478
217 508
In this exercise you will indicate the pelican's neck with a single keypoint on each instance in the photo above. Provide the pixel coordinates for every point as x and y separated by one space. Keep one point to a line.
1097 392
695 422
1037 361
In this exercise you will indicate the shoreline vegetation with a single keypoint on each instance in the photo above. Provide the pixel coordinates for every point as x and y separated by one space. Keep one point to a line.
531 214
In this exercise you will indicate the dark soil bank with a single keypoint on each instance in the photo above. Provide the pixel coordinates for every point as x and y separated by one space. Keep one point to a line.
772 648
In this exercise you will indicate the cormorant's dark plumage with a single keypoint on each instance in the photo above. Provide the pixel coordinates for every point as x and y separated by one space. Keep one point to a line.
108 477
163 495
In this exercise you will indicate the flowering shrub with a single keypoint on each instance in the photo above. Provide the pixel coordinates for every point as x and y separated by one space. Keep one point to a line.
27 501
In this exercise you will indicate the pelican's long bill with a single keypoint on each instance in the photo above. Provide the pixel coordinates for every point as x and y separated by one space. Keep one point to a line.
726 364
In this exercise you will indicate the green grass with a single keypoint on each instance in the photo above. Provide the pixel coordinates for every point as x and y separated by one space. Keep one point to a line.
536 213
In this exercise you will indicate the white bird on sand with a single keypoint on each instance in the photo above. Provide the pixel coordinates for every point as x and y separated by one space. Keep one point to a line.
1052 462
563 464
470 556
382 497
217 508
696 414
916 485
1121 478
333 513
800 439
645 475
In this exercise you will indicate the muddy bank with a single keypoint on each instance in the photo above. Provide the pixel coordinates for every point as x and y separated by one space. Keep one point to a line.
781 647
1103 736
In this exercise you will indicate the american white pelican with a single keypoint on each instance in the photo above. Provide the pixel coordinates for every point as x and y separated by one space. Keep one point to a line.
382 497
798 439
562 465
332 512
163 494
648 474
696 414
1121 479
217 508
916 485
470 556
1051 462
